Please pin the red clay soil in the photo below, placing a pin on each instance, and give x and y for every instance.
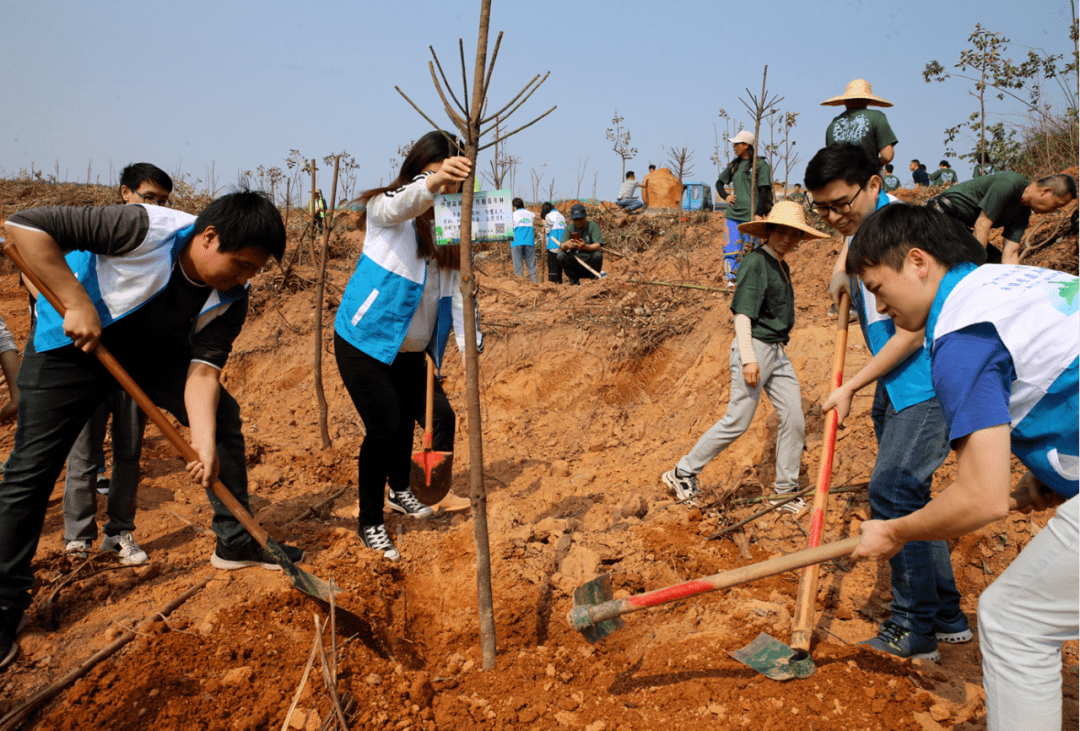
(588, 394)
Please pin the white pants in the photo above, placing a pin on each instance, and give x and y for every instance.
(1024, 618)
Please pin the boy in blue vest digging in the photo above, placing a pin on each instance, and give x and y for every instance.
(166, 293)
(1004, 343)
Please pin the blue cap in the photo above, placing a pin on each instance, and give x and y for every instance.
(577, 211)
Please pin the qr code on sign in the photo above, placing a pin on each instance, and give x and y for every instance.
(500, 228)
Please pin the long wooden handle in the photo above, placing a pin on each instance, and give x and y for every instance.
(804, 603)
(429, 403)
(587, 615)
(128, 384)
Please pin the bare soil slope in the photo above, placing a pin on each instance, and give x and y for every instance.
(588, 394)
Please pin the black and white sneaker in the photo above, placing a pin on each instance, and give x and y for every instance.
(685, 488)
(251, 554)
(376, 538)
(406, 502)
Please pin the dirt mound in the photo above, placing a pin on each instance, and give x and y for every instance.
(588, 394)
(664, 190)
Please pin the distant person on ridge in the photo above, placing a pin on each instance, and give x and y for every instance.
(626, 199)
(944, 175)
(523, 248)
(918, 173)
(645, 186)
(867, 128)
(889, 182)
(737, 175)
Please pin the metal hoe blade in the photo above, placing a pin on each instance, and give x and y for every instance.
(302, 580)
(774, 659)
(595, 592)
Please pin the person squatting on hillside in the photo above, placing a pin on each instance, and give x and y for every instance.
(908, 423)
(858, 125)
(764, 309)
(626, 199)
(1003, 199)
(737, 175)
(580, 255)
(399, 305)
(554, 225)
(1004, 344)
(168, 297)
(139, 183)
(523, 248)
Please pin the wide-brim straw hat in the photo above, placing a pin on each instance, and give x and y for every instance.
(784, 213)
(859, 89)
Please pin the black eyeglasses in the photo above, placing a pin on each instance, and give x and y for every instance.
(839, 208)
(151, 200)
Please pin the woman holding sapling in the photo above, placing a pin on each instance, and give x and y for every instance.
(400, 304)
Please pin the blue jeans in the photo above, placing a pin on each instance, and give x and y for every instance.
(736, 242)
(526, 255)
(630, 204)
(912, 444)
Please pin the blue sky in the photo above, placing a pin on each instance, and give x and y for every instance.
(235, 84)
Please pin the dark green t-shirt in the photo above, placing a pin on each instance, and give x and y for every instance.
(943, 176)
(999, 196)
(589, 235)
(867, 127)
(763, 292)
(739, 180)
(889, 183)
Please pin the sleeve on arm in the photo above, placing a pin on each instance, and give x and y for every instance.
(213, 344)
(972, 373)
(111, 230)
(403, 204)
(750, 289)
(597, 235)
(1000, 195)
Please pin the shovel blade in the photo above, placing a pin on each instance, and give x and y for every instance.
(597, 591)
(775, 660)
(308, 583)
(430, 474)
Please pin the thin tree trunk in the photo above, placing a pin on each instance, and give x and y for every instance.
(324, 430)
(477, 491)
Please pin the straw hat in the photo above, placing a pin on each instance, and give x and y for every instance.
(746, 137)
(858, 89)
(784, 213)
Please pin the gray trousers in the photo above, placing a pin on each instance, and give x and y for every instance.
(84, 460)
(779, 381)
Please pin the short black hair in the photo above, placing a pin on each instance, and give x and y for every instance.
(652, 167)
(889, 168)
(798, 185)
(916, 161)
(886, 236)
(244, 219)
(629, 174)
(847, 161)
(944, 163)
(1062, 185)
(517, 203)
(138, 173)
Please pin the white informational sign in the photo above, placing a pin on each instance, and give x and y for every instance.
(492, 218)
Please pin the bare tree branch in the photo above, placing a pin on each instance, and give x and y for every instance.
(500, 112)
(399, 91)
(520, 103)
(508, 134)
(491, 66)
(464, 81)
(458, 121)
(441, 73)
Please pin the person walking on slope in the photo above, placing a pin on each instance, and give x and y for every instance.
(398, 306)
(737, 174)
(764, 309)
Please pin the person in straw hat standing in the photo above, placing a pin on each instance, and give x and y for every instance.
(866, 127)
(764, 309)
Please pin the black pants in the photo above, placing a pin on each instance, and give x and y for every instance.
(58, 392)
(390, 399)
(942, 204)
(568, 261)
(554, 267)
